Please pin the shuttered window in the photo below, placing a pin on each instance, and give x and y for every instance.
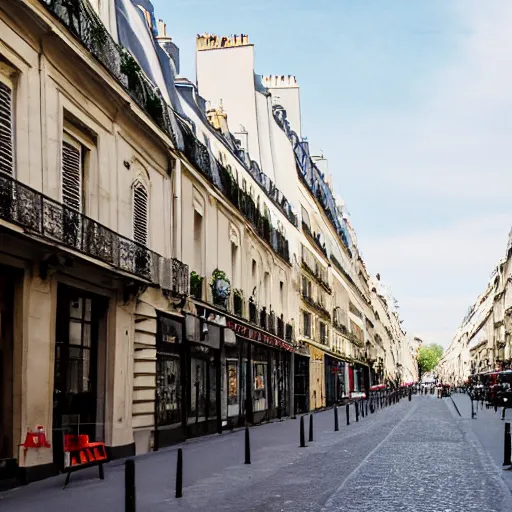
(6, 130)
(140, 213)
(72, 174)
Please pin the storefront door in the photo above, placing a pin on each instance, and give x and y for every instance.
(301, 384)
(6, 363)
(76, 377)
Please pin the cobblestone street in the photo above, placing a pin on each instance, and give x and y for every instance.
(413, 456)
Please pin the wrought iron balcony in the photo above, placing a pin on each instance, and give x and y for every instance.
(41, 216)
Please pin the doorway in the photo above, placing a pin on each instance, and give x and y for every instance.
(6, 363)
(79, 355)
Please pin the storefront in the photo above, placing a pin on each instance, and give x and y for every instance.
(301, 384)
(334, 380)
(79, 369)
(257, 375)
(316, 379)
(204, 379)
(169, 410)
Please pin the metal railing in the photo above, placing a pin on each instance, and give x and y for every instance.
(40, 215)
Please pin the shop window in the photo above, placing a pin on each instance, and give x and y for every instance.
(259, 369)
(233, 387)
(140, 213)
(6, 129)
(266, 288)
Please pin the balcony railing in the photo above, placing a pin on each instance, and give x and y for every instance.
(40, 215)
(319, 308)
(246, 205)
(280, 328)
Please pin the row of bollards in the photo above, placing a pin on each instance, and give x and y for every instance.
(361, 408)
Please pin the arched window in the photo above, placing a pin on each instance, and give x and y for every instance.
(140, 213)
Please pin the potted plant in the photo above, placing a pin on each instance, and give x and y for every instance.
(238, 301)
(220, 286)
(196, 285)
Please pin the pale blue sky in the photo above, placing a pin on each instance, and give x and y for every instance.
(411, 102)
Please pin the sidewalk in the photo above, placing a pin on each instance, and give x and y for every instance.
(214, 474)
(488, 428)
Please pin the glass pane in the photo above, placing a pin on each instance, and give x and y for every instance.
(233, 383)
(87, 335)
(74, 370)
(88, 308)
(260, 371)
(212, 406)
(168, 391)
(75, 308)
(75, 332)
(197, 388)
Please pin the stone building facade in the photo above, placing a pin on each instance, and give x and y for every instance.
(169, 267)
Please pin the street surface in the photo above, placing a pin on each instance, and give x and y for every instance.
(412, 456)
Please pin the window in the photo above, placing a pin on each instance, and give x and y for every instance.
(323, 333)
(254, 277)
(281, 296)
(140, 213)
(306, 287)
(198, 242)
(306, 317)
(234, 260)
(72, 172)
(266, 286)
(6, 130)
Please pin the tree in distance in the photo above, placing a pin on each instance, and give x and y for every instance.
(428, 357)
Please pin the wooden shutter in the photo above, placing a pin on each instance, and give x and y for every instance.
(140, 214)
(6, 129)
(72, 174)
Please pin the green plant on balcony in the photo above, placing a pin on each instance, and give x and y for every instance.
(220, 286)
(196, 285)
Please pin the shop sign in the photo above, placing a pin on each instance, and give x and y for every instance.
(253, 334)
(316, 354)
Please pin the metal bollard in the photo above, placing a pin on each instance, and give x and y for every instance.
(129, 485)
(247, 446)
(347, 410)
(410, 394)
(302, 435)
(179, 474)
(357, 411)
(507, 446)
(362, 408)
(366, 407)
(336, 425)
(311, 427)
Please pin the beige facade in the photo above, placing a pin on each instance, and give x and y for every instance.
(160, 276)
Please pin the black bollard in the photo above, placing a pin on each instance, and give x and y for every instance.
(336, 425)
(179, 474)
(347, 410)
(302, 435)
(311, 428)
(129, 485)
(357, 410)
(410, 394)
(366, 407)
(247, 446)
(362, 408)
(507, 446)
